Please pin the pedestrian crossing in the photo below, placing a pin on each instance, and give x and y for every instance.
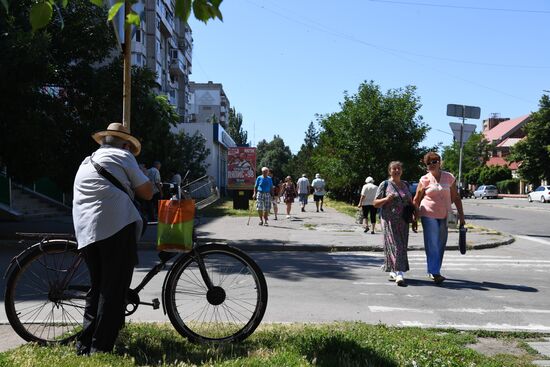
(488, 292)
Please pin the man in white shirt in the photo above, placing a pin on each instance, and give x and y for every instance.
(318, 185)
(107, 226)
(303, 190)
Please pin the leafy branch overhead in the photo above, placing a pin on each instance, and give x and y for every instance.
(41, 12)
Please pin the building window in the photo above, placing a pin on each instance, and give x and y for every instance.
(138, 35)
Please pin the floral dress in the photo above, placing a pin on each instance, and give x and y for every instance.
(289, 192)
(394, 227)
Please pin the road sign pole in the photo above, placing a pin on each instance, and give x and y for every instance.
(460, 149)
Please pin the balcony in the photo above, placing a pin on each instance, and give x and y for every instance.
(177, 67)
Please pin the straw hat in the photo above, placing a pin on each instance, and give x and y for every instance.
(120, 131)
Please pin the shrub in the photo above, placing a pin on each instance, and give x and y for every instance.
(508, 186)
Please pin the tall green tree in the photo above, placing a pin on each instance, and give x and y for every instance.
(533, 152)
(303, 162)
(474, 154)
(235, 127)
(274, 155)
(372, 129)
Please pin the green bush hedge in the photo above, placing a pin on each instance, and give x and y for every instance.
(508, 186)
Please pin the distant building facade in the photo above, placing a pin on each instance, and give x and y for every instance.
(209, 115)
(164, 44)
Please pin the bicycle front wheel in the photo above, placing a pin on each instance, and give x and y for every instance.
(45, 292)
(228, 312)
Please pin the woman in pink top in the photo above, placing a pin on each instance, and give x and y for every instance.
(435, 193)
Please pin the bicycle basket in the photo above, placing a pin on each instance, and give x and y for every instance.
(203, 190)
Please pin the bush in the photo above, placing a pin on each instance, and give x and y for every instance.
(508, 186)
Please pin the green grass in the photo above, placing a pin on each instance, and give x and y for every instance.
(341, 206)
(336, 344)
(224, 207)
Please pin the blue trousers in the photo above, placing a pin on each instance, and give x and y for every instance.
(435, 240)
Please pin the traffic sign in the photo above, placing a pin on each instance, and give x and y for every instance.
(468, 112)
(467, 130)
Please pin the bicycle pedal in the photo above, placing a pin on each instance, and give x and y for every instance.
(156, 304)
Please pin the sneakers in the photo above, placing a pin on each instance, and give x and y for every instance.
(393, 275)
(303, 210)
(372, 232)
(322, 210)
(399, 280)
(437, 278)
(366, 230)
(288, 217)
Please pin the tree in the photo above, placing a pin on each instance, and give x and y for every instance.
(533, 152)
(372, 129)
(235, 127)
(191, 153)
(303, 162)
(274, 155)
(474, 154)
(490, 175)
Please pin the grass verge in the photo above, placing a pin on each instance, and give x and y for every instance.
(336, 344)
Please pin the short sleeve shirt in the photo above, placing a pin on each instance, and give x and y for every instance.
(303, 184)
(319, 186)
(100, 209)
(154, 176)
(369, 193)
(263, 184)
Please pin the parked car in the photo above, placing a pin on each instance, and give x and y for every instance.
(486, 191)
(541, 193)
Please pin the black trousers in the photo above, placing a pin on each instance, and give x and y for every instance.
(111, 263)
(369, 210)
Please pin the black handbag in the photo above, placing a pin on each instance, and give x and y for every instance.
(108, 175)
(408, 209)
(462, 239)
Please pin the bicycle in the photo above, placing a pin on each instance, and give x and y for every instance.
(214, 293)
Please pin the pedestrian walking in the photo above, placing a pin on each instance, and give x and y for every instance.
(262, 193)
(435, 194)
(289, 194)
(107, 226)
(303, 191)
(392, 196)
(368, 193)
(318, 185)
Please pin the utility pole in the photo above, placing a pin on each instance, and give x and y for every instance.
(127, 76)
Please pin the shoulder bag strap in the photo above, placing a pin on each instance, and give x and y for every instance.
(397, 189)
(103, 172)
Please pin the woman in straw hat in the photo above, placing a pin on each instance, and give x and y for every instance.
(107, 227)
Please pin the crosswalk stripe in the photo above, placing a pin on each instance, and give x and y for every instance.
(479, 311)
(489, 326)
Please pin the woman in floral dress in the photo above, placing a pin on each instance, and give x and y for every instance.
(392, 196)
(289, 194)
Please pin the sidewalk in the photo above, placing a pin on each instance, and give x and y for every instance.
(309, 231)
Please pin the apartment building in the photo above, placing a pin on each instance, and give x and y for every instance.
(209, 115)
(164, 43)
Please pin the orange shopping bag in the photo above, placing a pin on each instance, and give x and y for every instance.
(175, 225)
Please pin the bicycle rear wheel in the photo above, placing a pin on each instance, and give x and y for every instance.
(231, 310)
(45, 292)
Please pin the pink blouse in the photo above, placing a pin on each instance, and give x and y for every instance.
(436, 202)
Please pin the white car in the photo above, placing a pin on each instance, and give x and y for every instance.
(486, 191)
(541, 193)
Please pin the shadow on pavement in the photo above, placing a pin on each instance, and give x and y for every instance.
(466, 284)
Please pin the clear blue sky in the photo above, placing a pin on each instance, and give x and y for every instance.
(283, 61)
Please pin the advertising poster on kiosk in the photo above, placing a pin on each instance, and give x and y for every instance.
(241, 168)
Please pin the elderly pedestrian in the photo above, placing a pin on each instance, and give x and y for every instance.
(262, 192)
(107, 226)
(303, 190)
(435, 193)
(368, 193)
(318, 185)
(392, 196)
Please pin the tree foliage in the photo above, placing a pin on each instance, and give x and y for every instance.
(235, 127)
(474, 154)
(56, 96)
(372, 129)
(303, 162)
(533, 152)
(274, 155)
